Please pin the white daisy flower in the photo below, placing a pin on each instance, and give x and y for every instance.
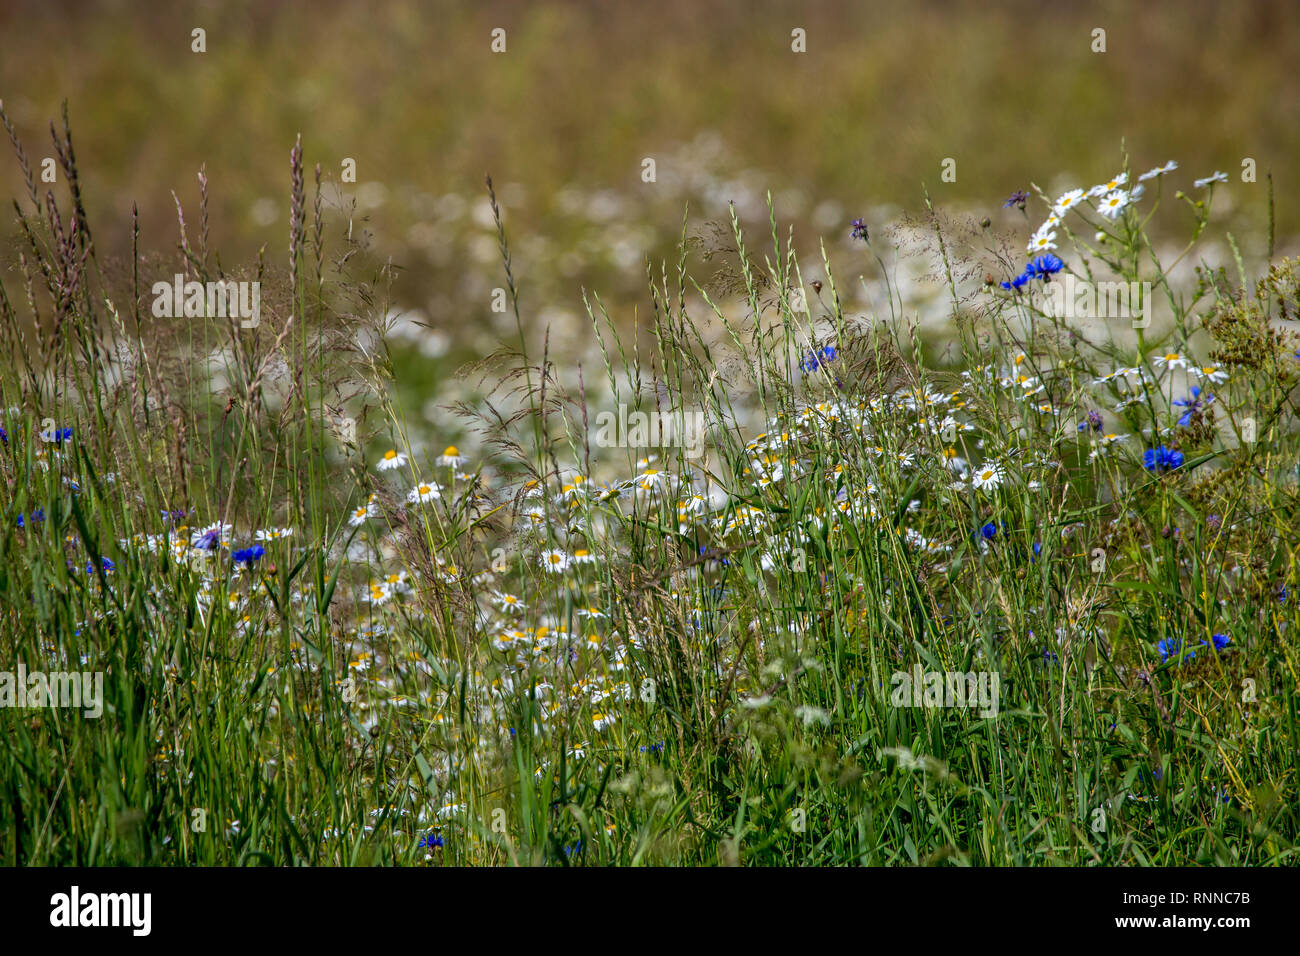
(451, 457)
(508, 602)
(1042, 241)
(272, 534)
(649, 480)
(1128, 372)
(573, 490)
(1213, 373)
(986, 477)
(692, 505)
(1170, 360)
(1067, 201)
(1208, 180)
(366, 511)
(1168, 167)
(507, 639)
(392, 459)
(1102, 189)
(554, 561)
(583, 556)
(424, 492)
(398, 582)
(1113, 203)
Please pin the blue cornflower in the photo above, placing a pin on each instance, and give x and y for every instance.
(209, 540)
(248, 556)
(1017, 198)
(818, 357)
(1018, 282)
(1044, 266)
(4, 435)
(1193, 404)
(859, 230)
(1162, 459)
(1170, 647)
(989, 531)
(106, 563)
(1039, 268)
(432, 842)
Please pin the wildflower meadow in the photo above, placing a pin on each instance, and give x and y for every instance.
(967, 537)
(1029, 602)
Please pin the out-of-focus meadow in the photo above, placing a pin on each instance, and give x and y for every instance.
(584, 92)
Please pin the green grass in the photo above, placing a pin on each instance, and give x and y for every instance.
(713, 686)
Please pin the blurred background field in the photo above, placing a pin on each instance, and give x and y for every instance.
(585, 91)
